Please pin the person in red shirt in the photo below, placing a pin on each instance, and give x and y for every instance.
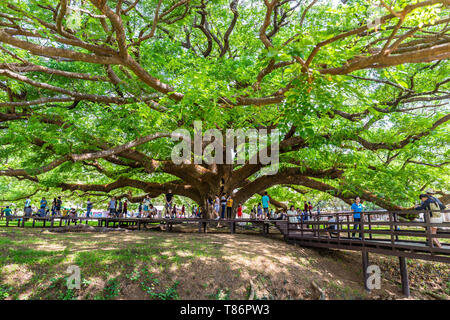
(239, 211)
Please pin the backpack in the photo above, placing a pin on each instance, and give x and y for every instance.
(434, 206)
(440, 204)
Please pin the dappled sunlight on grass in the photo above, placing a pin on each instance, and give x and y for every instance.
(160, 265)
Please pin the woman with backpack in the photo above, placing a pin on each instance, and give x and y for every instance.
(430, 204)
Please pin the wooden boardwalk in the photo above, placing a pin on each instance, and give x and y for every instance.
(378, 232)
(410, 239)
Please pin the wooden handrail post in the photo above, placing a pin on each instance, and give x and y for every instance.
(288, 226)
(426, 216)
(391, 226)
(348, 226)
(396, 226)
(315, 225)
(338, 227)
(365, 265)
(404, 276)
(361, 226)
(301, 225)
(370, 226)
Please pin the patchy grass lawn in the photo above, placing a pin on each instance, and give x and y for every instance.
(160, 265)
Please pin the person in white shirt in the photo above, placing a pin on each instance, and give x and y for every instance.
(152, 211)
(331, 227)
(292, 214)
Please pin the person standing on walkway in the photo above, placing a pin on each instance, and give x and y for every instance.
(173, 214)
(292, 215)
(43, 206)
(223, 204)
(58, 206)
(7, 212)
(430, 204)
(146, 206)
(446, 215)
(140, 209)
(253, 213)
(125, 208)
(168, 205)
(265, 204)
(217, 205)
(259, 212)
(357, 208)
(210, 212)
(119, 208)
(53, 207)
(229, 207)
(331, 228)
(28, 211)
(27, 203)
(88, 208)
(112, 206)
(239, 211)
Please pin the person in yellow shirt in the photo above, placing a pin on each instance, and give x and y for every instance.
(229, 207)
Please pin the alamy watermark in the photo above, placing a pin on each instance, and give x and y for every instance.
(74, 279)
(376, 11)
(254, 146)
(373, 280)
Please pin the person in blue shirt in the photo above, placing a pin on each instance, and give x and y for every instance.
(43, 207)
(88, 208)
(265, 204)
(357, 208)
(259, 211)
(7, 211)
(43, 203)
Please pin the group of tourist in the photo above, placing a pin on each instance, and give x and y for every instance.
(294, 215)
(148, 210)
(44, 208)
(222, 208)
(115, 208)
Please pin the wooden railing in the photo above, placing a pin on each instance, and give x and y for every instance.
(385, 230)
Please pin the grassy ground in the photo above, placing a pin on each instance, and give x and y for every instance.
(188, 265)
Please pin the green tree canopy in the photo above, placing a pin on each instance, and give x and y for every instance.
(91, 90)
